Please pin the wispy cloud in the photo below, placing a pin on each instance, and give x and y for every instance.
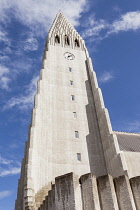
(24, 101)
(42, 13)
(5, 161)
(4, 194)
(128, 126)
(10, 171)
(9, 70)
(100, 29)
(128, 21)
(8, 167)
(105, 77)
(4, 77)
(94, 26)
(4, 36)
(3, 70)
(29, 42)
(133, 126)
(22, 65)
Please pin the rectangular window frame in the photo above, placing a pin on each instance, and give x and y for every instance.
(79, 158)
(75, 115)
(73, 97)
(76, 134)
(71, 83)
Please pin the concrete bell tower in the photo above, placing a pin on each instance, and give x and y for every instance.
(70, 129)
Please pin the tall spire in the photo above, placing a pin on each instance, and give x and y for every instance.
(64, 34)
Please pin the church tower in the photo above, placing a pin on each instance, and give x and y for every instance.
(70, 129)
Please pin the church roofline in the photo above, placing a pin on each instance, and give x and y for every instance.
(126, 133)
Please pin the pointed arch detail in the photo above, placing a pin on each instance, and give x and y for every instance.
(67, 41)
(57, 39)
(76, 43)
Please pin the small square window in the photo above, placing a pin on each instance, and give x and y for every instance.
(74, 114)
(70, 69)
(79, 156)
(76, 134)
(72, 97)
(71, 82)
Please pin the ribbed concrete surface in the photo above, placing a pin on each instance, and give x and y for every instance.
(128, 141)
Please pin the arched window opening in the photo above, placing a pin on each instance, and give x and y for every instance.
(57, 39)
(67, 42)
(77, 43)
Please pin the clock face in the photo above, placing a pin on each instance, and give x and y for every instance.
(69, 56)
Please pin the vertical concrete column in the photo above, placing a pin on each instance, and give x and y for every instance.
(89, 192)
(41, 207)
(46, 203)
(107, 196)
(135, 185)
(124, 193)
(66, 192)
(51, 198)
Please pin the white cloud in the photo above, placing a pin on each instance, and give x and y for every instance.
(10, 171)
(4, 36)
(100, 29)
(105, 77)
(3, 57)
(4, 194)
(4, 77)
(95, 26)
(42, 13)
(5, 161)
(25, 101)
(7, 74)
(128, 21)
(133, 126)
(9, 167)
(3, 70)
(29, 42)
(4, 81)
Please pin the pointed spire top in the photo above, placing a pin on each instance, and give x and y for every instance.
(64, 34)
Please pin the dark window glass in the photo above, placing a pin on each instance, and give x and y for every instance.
(79, 156)
(57, 39)
(72, 97)
(74, 114)
(71, 82)
(76, 134)
(67, 42)
(77, 43)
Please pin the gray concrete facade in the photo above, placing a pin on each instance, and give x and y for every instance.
(70, 129)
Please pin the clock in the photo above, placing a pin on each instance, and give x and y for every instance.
(69, 56)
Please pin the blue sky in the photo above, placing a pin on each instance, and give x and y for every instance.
(111, 30)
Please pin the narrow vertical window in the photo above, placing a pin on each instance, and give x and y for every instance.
(79, 156)
(72, 97)
(70, 69)
(57, 39)
(76, 134)
(71, 82)
(74, 114)
(76, 43)
(67, 42)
